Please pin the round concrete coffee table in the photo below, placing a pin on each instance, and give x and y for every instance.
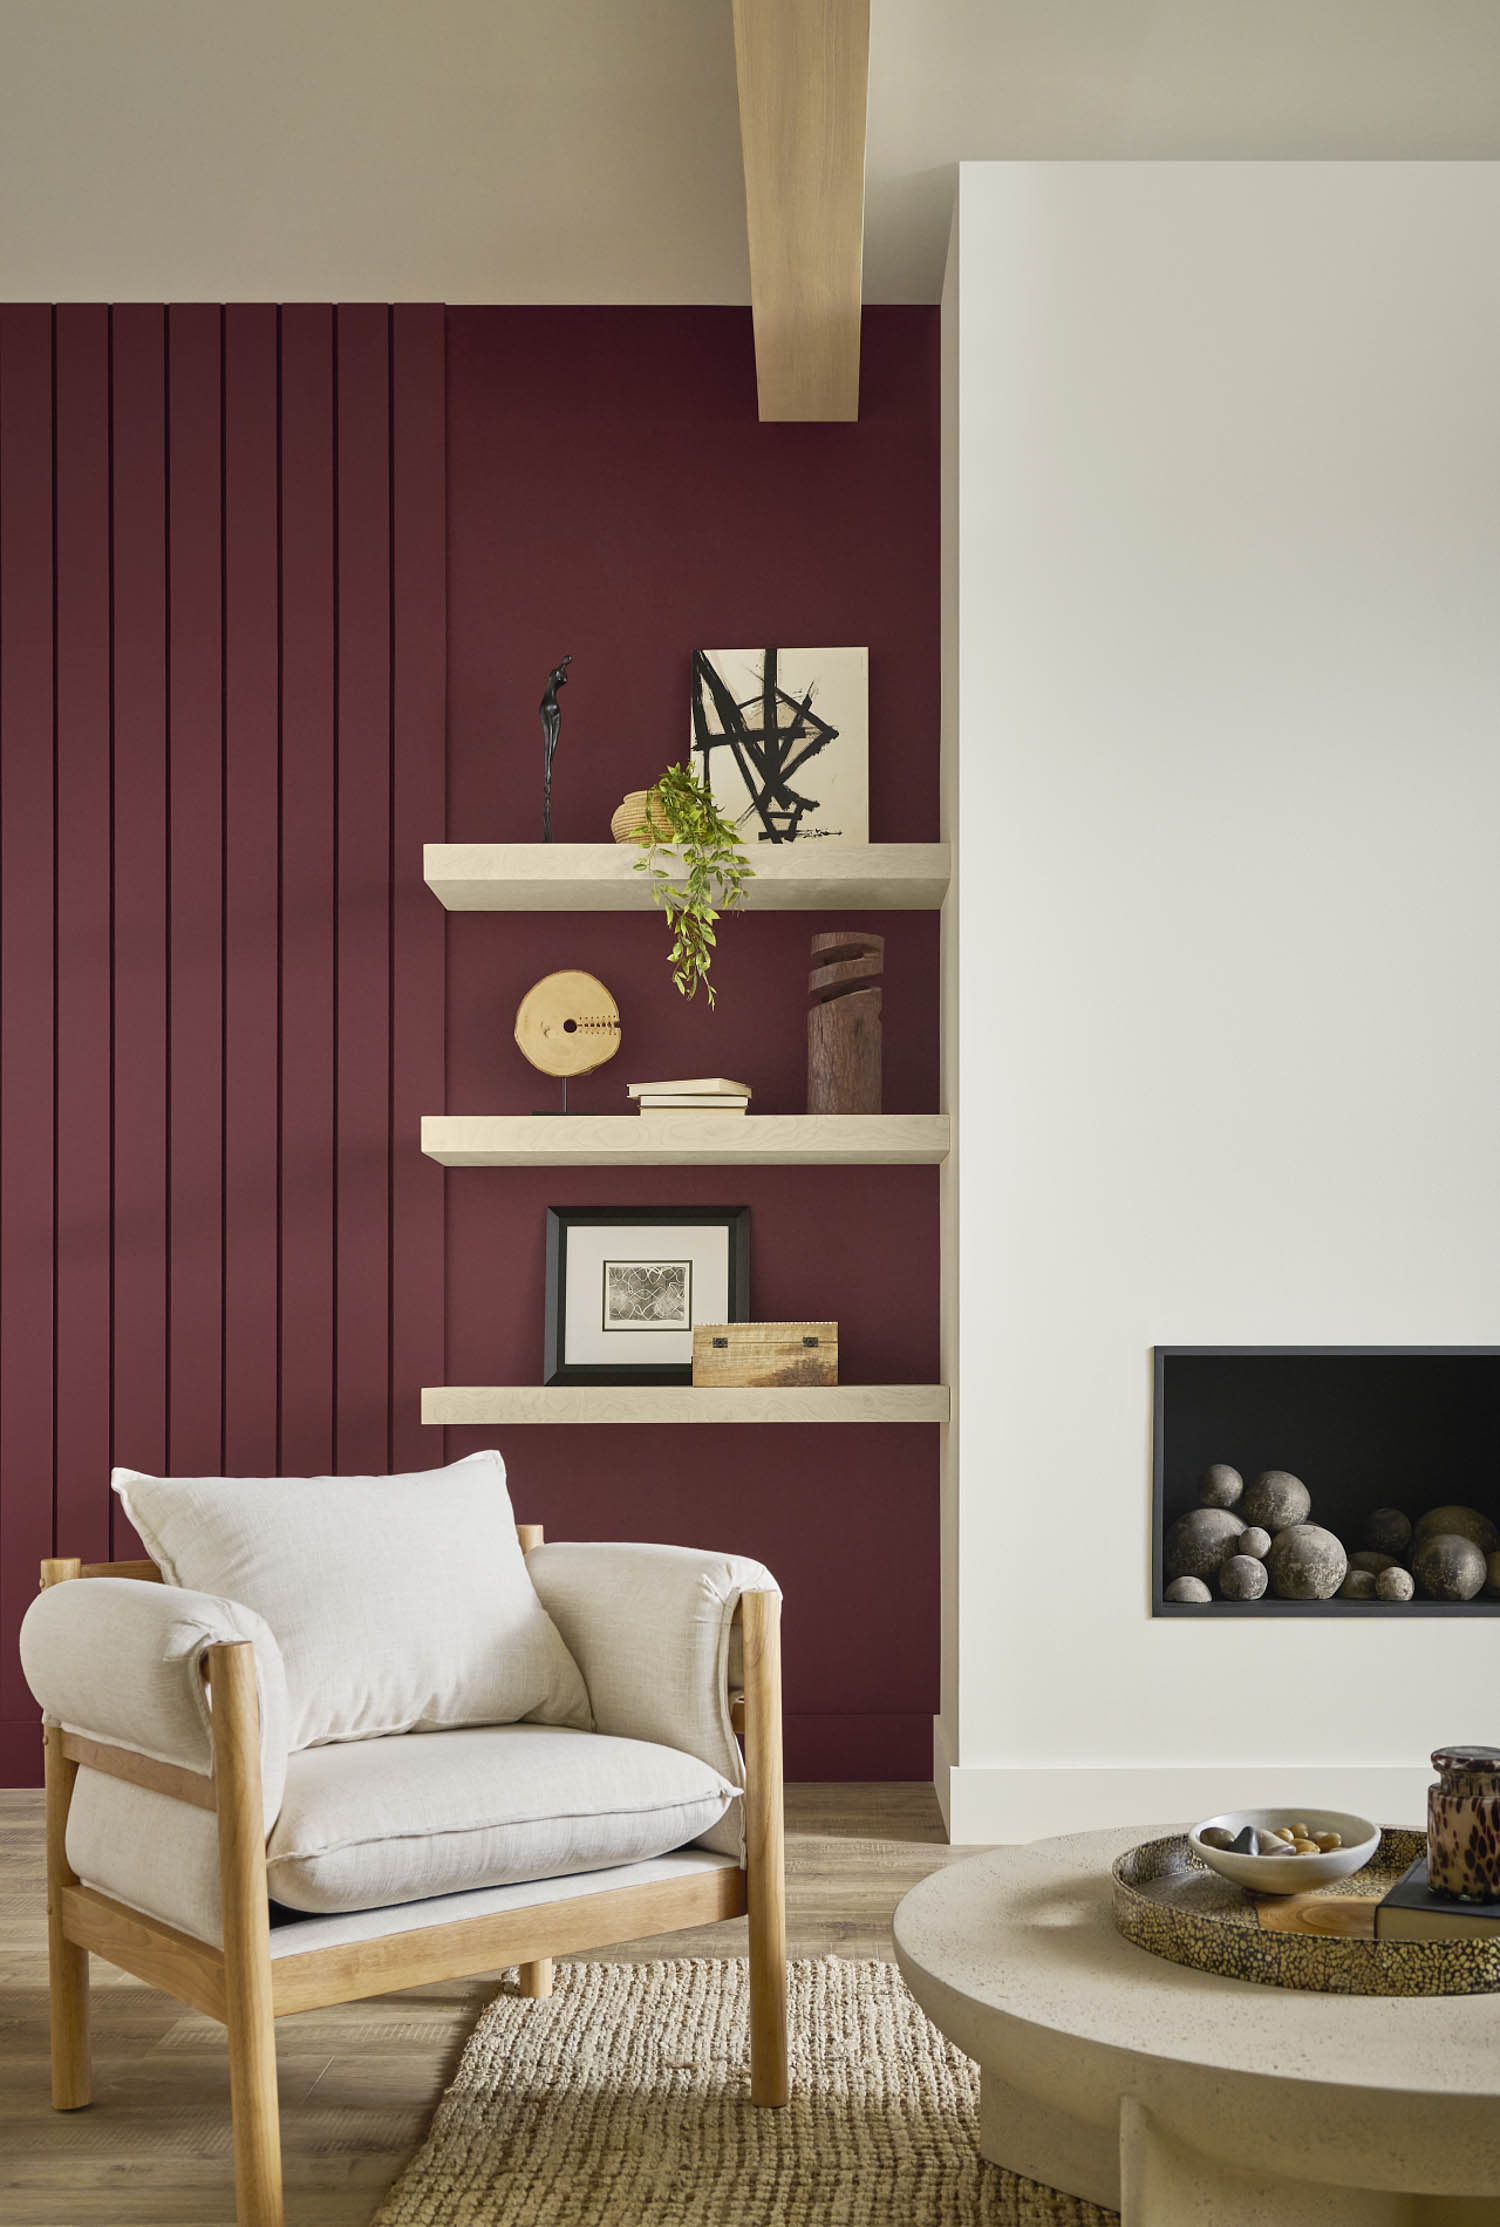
(1175, 2096)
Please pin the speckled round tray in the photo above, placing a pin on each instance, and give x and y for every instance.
(1168, 1901)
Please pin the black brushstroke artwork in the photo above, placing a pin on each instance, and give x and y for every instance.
(769, 736)
(551, 713)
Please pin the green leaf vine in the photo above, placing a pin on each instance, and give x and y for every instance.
(697, 867)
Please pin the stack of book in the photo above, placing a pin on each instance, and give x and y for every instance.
(701, 1094)
(1412, 1912)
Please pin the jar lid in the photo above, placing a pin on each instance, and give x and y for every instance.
(1465, 1759)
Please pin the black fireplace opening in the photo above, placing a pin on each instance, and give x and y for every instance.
(1365, 1428)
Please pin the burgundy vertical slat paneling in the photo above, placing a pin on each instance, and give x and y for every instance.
(419, 607)
(84, 966)
(307, 889)
(139, 1437)
(26, 1017)
(210, 1181)
(364, 836)
(196, 839)
(252, 1083)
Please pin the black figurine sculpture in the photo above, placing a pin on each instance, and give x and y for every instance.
(551, 712)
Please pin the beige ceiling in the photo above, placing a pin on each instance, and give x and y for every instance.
(588, 150)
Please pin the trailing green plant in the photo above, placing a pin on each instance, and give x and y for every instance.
(698, 870)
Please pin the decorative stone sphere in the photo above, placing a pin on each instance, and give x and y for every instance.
(1449, 1567)
(1188, 1589)
(1220, 1486)
(1276, 1501)
(1252, 1540)
(1306, 1563)
(1358, 1585)
(1373, 1559)
(1492, 1581)
(1198, 1542)
(1458, 1523)
(1394, 1583)
(1242, 1577)
(1388, 1529)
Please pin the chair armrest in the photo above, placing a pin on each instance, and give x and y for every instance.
(652, 1629)
(121, 1661)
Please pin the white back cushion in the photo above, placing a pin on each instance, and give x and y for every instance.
(400, 1604)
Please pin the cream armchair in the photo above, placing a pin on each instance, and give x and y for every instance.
(189, 1843)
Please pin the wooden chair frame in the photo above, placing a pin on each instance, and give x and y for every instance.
(247, 1991)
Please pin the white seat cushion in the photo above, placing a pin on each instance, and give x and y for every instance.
(381, 1821)
(400, 1604)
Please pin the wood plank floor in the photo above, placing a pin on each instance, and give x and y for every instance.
(358, 2082)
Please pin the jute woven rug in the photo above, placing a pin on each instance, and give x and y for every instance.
(625, 2098)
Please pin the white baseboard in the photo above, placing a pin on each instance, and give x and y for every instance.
(987, 1805)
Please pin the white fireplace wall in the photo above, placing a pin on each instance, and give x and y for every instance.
(1224, 691)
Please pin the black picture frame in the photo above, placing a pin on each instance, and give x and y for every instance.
(556, 1368)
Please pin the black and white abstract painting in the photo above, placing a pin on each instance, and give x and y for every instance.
(783, 739)
(648, 1295)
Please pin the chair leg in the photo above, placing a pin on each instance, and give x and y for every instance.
(535, 1979)
(67, 1964)
(765, 1861)
(251, 2019)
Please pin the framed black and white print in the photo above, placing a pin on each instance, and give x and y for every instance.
(625, 1284)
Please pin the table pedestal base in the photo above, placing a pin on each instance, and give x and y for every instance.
(1154, 2180)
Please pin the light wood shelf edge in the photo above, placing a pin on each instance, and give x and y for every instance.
(684, 1140)
(484, 1405)
(601, 877)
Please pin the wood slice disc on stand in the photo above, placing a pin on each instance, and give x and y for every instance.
(844, 1045)
(568, 1024)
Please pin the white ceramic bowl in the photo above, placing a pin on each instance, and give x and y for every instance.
(1289, 1874)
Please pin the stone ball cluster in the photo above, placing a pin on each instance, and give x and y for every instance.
(1244, 1541)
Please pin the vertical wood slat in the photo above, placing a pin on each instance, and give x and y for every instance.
(252, 892)
(307, 890)
(362, 1206)
(139, 1431)
(84, 963)
(196, 891)
(419, 607)
(26, 954)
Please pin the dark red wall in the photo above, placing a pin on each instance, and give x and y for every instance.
(612, 494)
(222, 613)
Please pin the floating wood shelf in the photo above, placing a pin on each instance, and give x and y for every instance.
(601, 877)
(664, 1140)
(488, 1404)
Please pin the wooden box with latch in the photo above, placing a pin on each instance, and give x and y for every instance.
(749, 1353)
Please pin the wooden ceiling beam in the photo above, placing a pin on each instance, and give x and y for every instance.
(803, 68)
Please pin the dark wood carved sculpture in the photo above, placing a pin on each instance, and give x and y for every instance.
(843, 1023)
(551, 715)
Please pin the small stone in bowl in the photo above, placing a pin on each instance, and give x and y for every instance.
(1217, 1836)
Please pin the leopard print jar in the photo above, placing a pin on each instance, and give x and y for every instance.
(1463, 1825)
